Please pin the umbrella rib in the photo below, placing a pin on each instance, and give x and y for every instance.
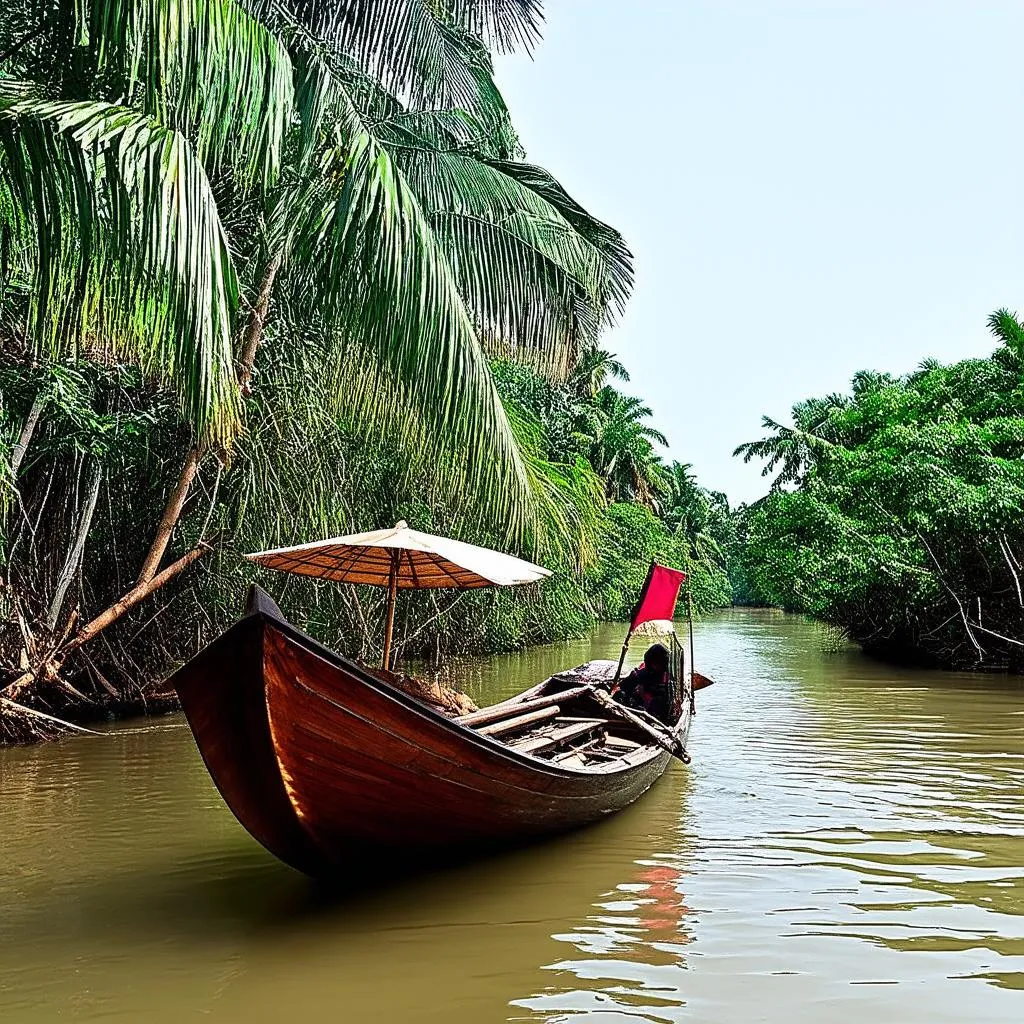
(442, 564)
(412, 570)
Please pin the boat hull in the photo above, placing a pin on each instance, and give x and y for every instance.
(323, 762)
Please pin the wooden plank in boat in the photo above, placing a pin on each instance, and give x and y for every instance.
(520, 722)
(622, 743)
(536, 744)
(570, 759)
(592, 751)
(487, 715)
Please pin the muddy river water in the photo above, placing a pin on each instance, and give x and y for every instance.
(847, 846)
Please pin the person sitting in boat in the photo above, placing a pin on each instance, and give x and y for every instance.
(651, 688)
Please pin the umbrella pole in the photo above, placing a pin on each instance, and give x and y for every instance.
(389, 626)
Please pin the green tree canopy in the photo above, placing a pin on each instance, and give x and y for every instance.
(896, 515)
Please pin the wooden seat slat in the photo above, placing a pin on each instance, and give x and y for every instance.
(575, 730)
(622, 743)
(493, 714)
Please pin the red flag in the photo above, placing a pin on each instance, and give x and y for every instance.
(658, 598)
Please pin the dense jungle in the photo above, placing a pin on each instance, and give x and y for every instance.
(276, 270)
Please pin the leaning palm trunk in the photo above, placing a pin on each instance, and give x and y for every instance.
(251, 340)
(172, 513)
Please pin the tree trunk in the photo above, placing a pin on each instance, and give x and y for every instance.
(27, 431)
(172, 513)
(72, 562)
(251, 339)
(138, 593)
(149, 579)
(255, 327)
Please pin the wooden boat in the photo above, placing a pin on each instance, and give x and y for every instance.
(322, 759)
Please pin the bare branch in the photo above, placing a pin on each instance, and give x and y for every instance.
(952, 593)
(1007, 554)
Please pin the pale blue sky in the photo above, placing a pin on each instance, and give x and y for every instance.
(809, 189)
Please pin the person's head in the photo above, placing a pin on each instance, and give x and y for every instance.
(656, 657)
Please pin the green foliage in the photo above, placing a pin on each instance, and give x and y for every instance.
(676, 522)
(341, 184)
(903, 528)
(96, 198)
(634, 537)
(366, 149)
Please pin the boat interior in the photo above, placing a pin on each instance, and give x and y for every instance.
(562, 721)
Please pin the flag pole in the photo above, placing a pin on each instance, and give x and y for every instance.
(622, 656)
(689, 625)
(636, 611)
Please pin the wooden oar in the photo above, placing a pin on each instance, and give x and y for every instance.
(655, 729)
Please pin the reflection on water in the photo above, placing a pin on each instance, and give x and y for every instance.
(849, 841)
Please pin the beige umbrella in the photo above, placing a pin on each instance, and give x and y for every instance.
(401, 559)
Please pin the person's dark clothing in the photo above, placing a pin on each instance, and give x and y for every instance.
(651, 690)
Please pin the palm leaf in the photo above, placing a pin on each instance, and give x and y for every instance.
(1007, 327)
(126, 250)
(605, 240)
(205, 67)
(537, 284)
(426, 54)
(504, 25)
(371, 265)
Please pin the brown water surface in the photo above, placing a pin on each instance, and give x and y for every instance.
(848, 846)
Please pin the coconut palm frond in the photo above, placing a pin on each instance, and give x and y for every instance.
(538, 285)
(101, 198)
(425, 53)
(206, 67)
(537, 288)
(1007, 327)
(375, 270)
(504, 25)
(618, 271)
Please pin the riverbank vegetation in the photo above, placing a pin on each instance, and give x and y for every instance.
(895, 511)
(277, 270)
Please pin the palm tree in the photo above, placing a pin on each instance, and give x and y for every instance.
(593, 370)
(1008, 328)
(178, 175)
(680, 497)
(689, 511)
(622, 452)
(795, 449)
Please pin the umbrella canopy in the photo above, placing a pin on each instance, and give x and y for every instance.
(401, 559)
(404, 558)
